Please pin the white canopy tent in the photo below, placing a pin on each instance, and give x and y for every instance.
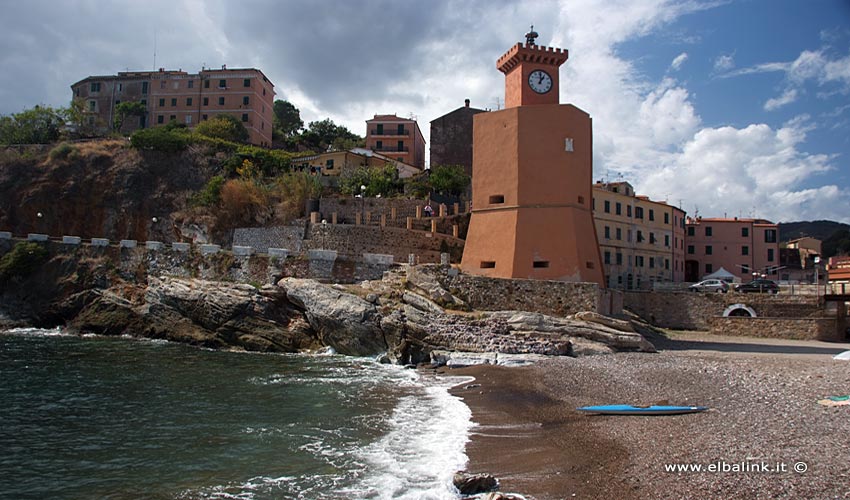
(722, 274)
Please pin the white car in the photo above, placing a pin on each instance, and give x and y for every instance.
(712, 285)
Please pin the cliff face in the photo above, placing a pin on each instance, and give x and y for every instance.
(100, 189)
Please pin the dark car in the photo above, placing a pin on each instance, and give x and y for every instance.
(758, 286)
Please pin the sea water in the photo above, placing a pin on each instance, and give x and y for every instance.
(116, 418)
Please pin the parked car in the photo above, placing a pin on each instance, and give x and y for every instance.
(712, 285)
(759, 286)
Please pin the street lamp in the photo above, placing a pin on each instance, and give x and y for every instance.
(324, 228)
(363, 206)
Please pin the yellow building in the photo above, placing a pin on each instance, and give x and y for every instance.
(333, 163)
(641, 241)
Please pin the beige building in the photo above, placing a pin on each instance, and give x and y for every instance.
(641, 241)
(177, 96)
(334, 163)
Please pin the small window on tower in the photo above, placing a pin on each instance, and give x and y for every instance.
(541, 263)
(497, 198)
(488, 264)
(568, 145)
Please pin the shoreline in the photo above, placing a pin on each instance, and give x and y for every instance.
(763, 410)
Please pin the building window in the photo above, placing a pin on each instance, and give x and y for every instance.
(745, 232)
(607, 233)
(708, 230)
(188, 101)
(607, 257)
(246, 82)
(667, 264)
(652, 238)
(628, 210)
(92, 105)
(172, 118)
(628, 235)
(607, 207)
(222, 84)
(144, 102)
(651, 214)
(160, 119)
(206, 84)
(619, 257)
(639, 236)
(770, 235)
(95, 87)
(639, 261)
(639, 212)
(666, 240)
(120, 87)
(488, 264)
(593, 203)
(400, 129)
(770, 255)
(329, 165)
(144, 87)
(745, 250)
(652, 262)
(162, 84)
(188, 119)
(400, 146)
(709, 268)
(221, 101)
(191, 84)
(174, 101)
(666, 218)
(618, 208)
(540, 263)
(708, 250)
(204, 117)
(691, 231)
(619, 233)
(244, 117)
(206, 101)
(380, 129)
(745, 269)
(245, 100)
(691, 249)
(162, 103)
(497, 198)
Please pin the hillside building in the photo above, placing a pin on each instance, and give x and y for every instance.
(451, 138)
(334, 163)
(741, 246)
(178, 96)
(641, 241)
(397, 138)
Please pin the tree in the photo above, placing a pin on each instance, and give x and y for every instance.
(381, 180)
(449, 179)
(287, 119)
(320, 135)
(837, 244)
(39, 125)
(225, 127)
(125, 109)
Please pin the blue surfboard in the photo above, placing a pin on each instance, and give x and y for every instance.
(641, 410)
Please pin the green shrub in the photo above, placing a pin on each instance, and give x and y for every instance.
(22, 260)
(165, 139)
(63, 151)
(211, 194)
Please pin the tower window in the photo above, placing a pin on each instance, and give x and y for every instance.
(497, 198)
(540, 263)
(488, 264)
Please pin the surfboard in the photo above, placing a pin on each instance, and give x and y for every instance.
(843, 356)
(641, 410)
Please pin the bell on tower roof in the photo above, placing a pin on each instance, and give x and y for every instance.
(530, 36)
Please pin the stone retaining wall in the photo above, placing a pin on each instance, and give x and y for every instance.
(357, 240)
(555, 298)
(694, 311)
(778, 328)
(263, 238)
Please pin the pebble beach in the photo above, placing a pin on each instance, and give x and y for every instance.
(765, 435)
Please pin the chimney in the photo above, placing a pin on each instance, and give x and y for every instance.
(466, 101)
(223, 66)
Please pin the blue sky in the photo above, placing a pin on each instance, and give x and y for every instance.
(738, 107)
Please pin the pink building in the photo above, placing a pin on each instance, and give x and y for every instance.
(740, 246)
(397, 138)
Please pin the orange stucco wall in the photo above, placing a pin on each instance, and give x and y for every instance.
(532, 198)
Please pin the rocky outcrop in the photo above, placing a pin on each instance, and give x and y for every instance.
(471, 484)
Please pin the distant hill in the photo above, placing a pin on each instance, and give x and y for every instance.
(820, 229)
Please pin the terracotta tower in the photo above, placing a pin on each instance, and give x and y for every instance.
(531, 178)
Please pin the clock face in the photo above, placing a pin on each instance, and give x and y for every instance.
(540, 81)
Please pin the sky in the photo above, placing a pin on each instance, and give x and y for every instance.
(720, 107)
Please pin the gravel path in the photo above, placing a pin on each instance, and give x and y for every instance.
(764, 412)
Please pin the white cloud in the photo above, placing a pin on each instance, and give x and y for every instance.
(724, 63)
(678, 61)
(787, 97)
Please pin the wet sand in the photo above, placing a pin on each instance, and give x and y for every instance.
(763, 396)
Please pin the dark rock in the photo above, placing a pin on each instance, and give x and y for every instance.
(471, 484)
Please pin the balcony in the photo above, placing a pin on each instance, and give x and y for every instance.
(389, 132)
(390, 149)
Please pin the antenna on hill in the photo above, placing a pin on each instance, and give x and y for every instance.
(498, 104)
(412, 116)
(154, 51)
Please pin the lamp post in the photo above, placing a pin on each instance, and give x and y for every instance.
(363, 205)
(324, 228)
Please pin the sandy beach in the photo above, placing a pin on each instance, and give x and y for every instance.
(764, 415)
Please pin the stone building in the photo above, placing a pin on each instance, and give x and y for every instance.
(398, 138)
(743, 247)
(641, 241)
(451, 138)
(531, 178)
(177, 96)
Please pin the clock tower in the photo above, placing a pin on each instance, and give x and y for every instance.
(532, 167)
(531, 72)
